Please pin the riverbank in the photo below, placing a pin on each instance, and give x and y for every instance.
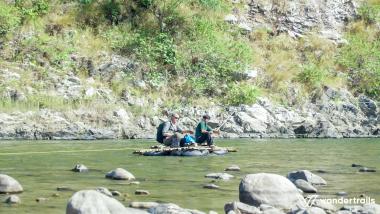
(336, 114)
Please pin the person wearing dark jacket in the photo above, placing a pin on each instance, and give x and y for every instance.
(203, 132)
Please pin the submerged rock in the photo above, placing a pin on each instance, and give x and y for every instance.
(9, 184)
(365, 169)
(41, 199)
(232, 168)
(211, 186)
(80, 168)
(221, 176)
(142, 192)
(93, 202)
(120, 174)
(271, 189)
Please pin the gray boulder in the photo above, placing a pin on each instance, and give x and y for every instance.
(371, 208)
(307, 176)
(93, 202)
(310, 210)
(267, 209)
(9, 184)
(305, 186)
(120, 174)
(168, 209)
(239, 207)
(271, 189)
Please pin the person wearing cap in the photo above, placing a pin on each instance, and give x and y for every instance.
(203, 132)
(172, 132)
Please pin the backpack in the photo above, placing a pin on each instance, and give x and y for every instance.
(159, 136)
(188, 139)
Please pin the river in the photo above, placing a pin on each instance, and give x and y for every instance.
(42, 166)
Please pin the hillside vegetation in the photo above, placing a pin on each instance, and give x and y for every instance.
(183, 52)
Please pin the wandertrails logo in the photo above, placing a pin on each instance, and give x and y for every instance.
(314, 199)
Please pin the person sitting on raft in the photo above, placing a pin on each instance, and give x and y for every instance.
(172, 133)
(203, 132)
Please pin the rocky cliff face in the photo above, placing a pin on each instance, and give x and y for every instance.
(337, 114)
(297, 17)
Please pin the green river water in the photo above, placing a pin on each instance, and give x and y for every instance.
(42, 166)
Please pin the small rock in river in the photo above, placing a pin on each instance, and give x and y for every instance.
(39, 200)
(341, 193)
(80, 168)
(356, 165)
(211, 186)
(365, 169)
(120, 174)
(221, 176)
(233, 168)
(63, 188)
(13, 199)
(142, 192)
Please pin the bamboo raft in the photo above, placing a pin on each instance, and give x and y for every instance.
(184, 151)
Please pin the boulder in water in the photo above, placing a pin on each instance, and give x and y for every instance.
(120, 174)
(271, 189)
(94, 202)
(9, 184)
(307, 176)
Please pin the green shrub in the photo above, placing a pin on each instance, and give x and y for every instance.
(9, 18)
(213, 4)
(312, 76)
(32, 8)
(112, 11)
(154, 50)
(362, 58)
(370, 13)
(241, 93)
